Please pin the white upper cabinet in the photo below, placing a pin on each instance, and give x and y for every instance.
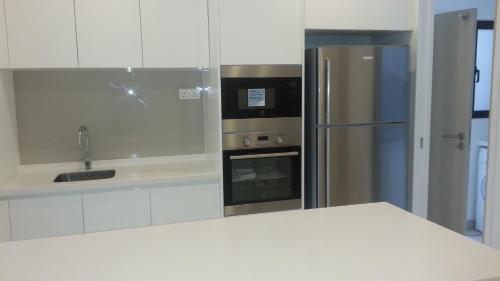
(174, 33)
(358, 14)
(384, 14)
(261, 32)
(330, 14)
(109, 33)
(4, 48)
(41, 33)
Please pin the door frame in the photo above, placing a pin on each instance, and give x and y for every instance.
(424, 45)
(424, 26)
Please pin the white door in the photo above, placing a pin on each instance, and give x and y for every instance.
(453, 83)
(116, 210)
(46, 217)
(261, 32)
(109, 33)
(175, 33)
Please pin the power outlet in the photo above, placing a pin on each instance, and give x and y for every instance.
(189, 94)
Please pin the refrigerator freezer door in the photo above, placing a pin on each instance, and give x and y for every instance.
(367, 164)
(363, 84)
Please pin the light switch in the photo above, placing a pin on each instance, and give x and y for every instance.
(189, 94)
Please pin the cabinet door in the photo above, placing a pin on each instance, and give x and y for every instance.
(185, 203)
(4, 48)
(261, 32)
(331, 14)
(116, 210)
(45, 217)
(174, 33)
(41, 33)
(384, 14)
(4, 221)
(109, 33)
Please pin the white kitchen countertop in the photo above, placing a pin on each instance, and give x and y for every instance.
(358, 243)
(38, 179)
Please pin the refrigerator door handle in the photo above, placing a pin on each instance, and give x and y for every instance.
(322, 106)
(328, 121)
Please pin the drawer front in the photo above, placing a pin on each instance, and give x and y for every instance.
(185, 203)
(4, 221)
(116, 210)
(46, 217)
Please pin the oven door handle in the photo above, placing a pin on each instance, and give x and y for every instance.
(268, 155)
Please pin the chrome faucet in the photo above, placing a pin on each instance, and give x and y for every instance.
(84, 142)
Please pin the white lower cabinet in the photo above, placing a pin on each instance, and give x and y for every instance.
(46, 216)
(109, 210)
(4, 221)
(185, 203)
(116, 210)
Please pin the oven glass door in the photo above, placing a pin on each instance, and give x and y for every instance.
(261, 175)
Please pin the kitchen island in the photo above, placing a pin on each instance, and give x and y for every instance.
(365, 242)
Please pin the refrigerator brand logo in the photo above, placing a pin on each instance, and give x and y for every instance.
(368, 58)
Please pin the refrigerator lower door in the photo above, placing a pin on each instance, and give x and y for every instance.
(367, 164)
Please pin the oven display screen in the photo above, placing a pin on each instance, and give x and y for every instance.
(258, 98)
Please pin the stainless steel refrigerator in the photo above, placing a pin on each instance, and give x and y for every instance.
(357, 112)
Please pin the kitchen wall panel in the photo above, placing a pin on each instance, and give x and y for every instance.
(9, 156)
(129, 114)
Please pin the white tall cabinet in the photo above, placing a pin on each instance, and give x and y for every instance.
(41, 33)
(174, 33)
(109, 33)
(261, 32)
(4, 48)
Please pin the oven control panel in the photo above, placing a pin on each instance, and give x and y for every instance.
(235, 141)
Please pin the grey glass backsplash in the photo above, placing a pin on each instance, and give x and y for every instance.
(128, 114)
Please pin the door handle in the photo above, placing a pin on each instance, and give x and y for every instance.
(459, 136)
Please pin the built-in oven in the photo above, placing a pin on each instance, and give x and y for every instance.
(262, 180)
(262, 137)
(261, 91)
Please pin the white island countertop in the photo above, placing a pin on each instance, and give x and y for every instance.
(36, 180)
(358, 243)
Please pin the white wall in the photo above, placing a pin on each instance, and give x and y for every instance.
(479, 132)
(9, 152)
(486, 8)
(492, 232)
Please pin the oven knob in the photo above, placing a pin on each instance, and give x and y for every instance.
(279, 140)
(246, 141)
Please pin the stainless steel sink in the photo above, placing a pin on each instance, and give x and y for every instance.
(85, 176)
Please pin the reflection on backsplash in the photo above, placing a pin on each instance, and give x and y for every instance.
(128, 113)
